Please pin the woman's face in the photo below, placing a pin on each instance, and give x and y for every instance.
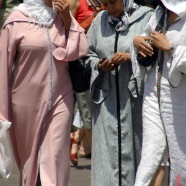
(114, 7)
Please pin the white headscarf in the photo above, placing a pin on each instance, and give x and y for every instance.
(37, 10)
(123, 21)
(176, 6)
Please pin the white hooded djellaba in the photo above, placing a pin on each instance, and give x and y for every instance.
(164, 122)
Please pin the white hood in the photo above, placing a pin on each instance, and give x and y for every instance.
(38, 10)
(176, 6)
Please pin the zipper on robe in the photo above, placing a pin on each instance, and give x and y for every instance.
(49, 103)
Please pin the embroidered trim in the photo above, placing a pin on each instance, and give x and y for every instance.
(50, 66)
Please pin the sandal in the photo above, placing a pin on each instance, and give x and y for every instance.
(73, 156)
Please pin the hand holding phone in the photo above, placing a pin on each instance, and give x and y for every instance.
(105, 65)
(102, 60)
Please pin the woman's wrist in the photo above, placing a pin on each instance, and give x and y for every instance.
(66, 18)
(127, 57)
(170, 50)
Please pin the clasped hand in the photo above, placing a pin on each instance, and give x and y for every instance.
(117, 59)
(158, 40)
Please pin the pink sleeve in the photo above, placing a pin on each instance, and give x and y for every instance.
(77, 44)
(7, 53)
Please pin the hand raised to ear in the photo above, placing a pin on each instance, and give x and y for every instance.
(61, 6)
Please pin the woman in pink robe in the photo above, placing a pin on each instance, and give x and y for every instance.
(36, 92)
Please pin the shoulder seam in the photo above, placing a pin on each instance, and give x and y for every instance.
(17, 20)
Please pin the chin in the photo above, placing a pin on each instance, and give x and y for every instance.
(112, 15)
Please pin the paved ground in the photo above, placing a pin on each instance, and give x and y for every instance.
(79, 176)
